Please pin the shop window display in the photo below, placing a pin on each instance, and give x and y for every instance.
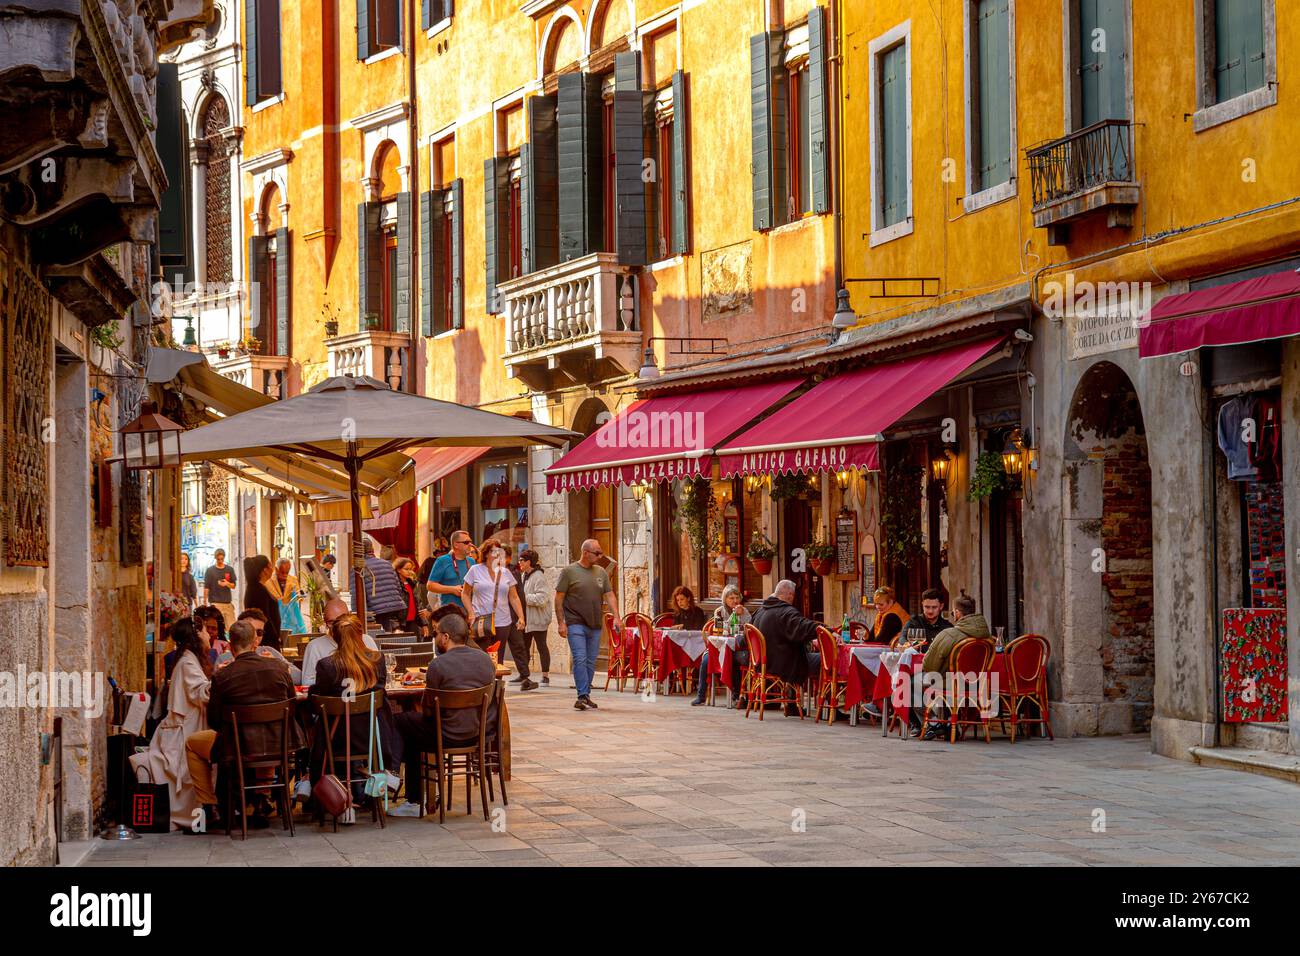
(503, 501)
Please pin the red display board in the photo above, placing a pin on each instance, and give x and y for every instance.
(1253, 654)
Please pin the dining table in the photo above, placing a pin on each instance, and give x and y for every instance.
(721, 647)
(677, 649)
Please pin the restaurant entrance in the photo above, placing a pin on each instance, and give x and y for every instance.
(801, 521)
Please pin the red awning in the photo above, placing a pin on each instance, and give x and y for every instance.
(664, 437)
(1252, 310)
(434, 463)
(839, 423)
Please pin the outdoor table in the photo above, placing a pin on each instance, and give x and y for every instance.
(892, 664)
(720, 649)
(677, 648)
(858, 665)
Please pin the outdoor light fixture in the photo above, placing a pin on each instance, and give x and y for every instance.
(648, 367)
(1012, 455)
(843, 477)
(845, 317)
(151, 442)
(279, 534)
(189, 341)
(941, 466)
(639, 489)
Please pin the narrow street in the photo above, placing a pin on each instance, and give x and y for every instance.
(666, 784)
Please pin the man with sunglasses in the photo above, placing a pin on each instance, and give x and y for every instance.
(447, 575)
(580, 592)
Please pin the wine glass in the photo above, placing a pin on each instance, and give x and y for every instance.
(1001, 632)
(390, 662)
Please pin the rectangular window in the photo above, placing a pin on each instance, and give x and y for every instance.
(891, 129)
(386, 24)
(798, 142)
(989, 79)
(514, 224)
(609, 168)
(262, 58)
(1238, 48)
(663, 143)
(270, 320)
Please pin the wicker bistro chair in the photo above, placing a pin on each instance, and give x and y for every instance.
(969, 656)
(830, 684)
(339, 710)
(710, 630)
(663, 620)
(1025, 674)
(406, 647)
(470, 762)
(762, 688)
(621, 665)
(244, 765)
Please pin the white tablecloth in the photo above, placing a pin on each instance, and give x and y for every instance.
(692, 642)
(869, 655)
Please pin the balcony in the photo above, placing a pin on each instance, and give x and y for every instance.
(572, 323)
(268, 374)
(385, 356)
(1085, 172)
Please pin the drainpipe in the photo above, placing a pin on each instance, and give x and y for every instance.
(837, 167)
(414, 381)
(1211, 500)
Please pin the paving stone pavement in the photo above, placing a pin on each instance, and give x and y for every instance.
(662, 783)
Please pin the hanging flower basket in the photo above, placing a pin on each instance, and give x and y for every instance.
(761, 565)
(822, 566)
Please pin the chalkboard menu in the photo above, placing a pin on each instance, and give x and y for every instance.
(846, 544)
(731, 529)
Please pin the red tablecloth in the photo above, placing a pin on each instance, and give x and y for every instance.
(883, 685)
(858, 679)
(720, 663)
(671, 656)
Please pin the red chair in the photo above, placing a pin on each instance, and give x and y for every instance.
(970, 656)
(642, 634)
(762, 688)
(1024, 668)
(830, 684)
(710, 630)
(663, 620)
(620, 666)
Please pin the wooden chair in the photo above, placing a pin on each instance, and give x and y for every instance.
(1025, 672)
(401, 662)
(492, 747)
(470, 762)
(336, 711)
(414, 647)
(969, 656)
(762, 688)
(619, 666)
(830, 683)
(244, 764)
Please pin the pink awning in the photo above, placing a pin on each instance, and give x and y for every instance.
(664, 437)
(1252, 310)
(839, 423)
(381, 522)
(434, 463)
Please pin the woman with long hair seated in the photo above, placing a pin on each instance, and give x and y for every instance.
(355, 668)
(187, 706)
(687, 615)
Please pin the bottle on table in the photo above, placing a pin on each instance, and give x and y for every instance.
(733, 625)
(846, 634)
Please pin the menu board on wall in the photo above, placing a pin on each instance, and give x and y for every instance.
(846, 545)
(1253, 652)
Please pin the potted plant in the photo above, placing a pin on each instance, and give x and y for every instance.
(760, 552)
(694, 510)
(821, 556)
(223, 350)
(989, 475)
(788, 486)
(251, 344)
(331, 328)
(371, 321)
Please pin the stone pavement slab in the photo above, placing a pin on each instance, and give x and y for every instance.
(660, 783)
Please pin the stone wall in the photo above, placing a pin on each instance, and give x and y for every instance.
(26, 788)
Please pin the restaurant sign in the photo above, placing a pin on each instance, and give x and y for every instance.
(629, 474)
(814, 458)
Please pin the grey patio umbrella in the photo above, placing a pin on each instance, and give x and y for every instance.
(360, 426)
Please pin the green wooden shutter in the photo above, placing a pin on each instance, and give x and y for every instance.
(250, 52)
(457, 255)
(681, 185)
(760, 124)
(574, 135)
(1239, 47)
(496, 239)
(651, 149)
(174, 231)
(892, 127)
(405, 247)
(363, 29)
(594, 161)
(540, 195)
(431, 258)
(426, 21)
(780, 148)
(257, 291)
(369, 255)
(268, 32)
(1103, 86)
(629, 152)
(993, 77)
(283, 296)
(819, 119)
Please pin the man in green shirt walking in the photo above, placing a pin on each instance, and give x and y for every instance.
(580, 592)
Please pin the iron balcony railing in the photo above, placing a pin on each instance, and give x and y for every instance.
(1085, 159)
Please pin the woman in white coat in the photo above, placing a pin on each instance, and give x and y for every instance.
(187, 704)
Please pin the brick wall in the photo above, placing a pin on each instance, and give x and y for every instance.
(1128, 654)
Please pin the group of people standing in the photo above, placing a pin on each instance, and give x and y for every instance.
(270, 588)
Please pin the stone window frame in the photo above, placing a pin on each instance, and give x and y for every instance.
(1210, 113)
(900, 34)
(975, 200)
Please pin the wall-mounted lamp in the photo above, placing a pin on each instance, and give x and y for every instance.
(1012, 454)
(845, 317)
(941, 466)
(639, 489)
(843, 477)
(279, 534)
(152, 441)
(649, 368)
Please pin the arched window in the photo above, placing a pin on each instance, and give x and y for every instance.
(216, 174)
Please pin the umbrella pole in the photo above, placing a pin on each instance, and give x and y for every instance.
(358, 559)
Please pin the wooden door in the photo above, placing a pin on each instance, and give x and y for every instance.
(602, 525)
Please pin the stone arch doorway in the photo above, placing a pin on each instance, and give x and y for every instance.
(1108, 653)
(593, 513)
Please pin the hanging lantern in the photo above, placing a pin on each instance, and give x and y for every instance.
(940, 467)
(843, 477)
(151, 442)
(1012, 455)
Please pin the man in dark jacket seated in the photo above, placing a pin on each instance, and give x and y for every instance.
(458, 666)
(787, 634)
(249, 679)
(931, 619)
